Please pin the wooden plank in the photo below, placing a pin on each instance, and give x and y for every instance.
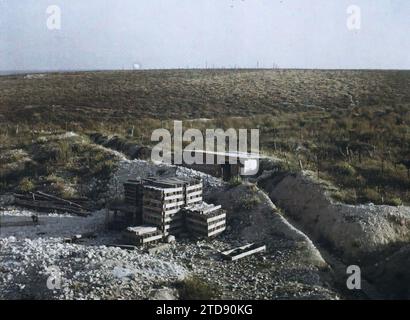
(244, 251)
(173, 205)
(152, 238)
(193, 194)
(205, 223)
(194, 187)
(59, 199)
(46, 205)
(123, 246)
(216, 232)
(173, 197)
(195, 200)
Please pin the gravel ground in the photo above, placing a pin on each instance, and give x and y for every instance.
(91, 269)
(271, 275)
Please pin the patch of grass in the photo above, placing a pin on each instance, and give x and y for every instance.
(250, 202)
(235, 181)
(59, 186)
(64, 152)
(344, 168)
(60, 165)
(345, 196)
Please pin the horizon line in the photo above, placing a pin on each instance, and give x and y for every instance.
(51, 71)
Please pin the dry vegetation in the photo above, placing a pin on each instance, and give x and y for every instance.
(67, 166)
(351, 127)
(122, 96)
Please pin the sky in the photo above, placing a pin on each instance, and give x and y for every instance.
(157, 34)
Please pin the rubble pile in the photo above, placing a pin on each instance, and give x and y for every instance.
(83, 272)
(141, 169)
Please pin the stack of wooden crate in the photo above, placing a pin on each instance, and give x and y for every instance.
(133, 192)
(205, 220)
(172, 206)
(163, 199)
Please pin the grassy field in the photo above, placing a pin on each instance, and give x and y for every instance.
(119, 96)
(352, 127)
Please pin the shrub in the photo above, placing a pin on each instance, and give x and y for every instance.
(195, 288)
(26, 185)
(64, 152)
(235, 181)
(62, 188)
(394, 202)
(103, 168)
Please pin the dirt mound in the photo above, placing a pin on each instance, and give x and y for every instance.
(252, 217)
(357, 231)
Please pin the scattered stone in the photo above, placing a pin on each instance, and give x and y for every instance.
(171, 239)
(159, 248)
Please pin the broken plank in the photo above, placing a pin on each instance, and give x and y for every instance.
(88, 235)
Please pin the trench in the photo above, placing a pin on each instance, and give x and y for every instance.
(338, 276)
(338, 267)
(375, 284)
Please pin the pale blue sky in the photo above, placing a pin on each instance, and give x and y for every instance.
(115, 34)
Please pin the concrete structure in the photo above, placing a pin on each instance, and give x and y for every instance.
(228, 164)
(205, 220)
